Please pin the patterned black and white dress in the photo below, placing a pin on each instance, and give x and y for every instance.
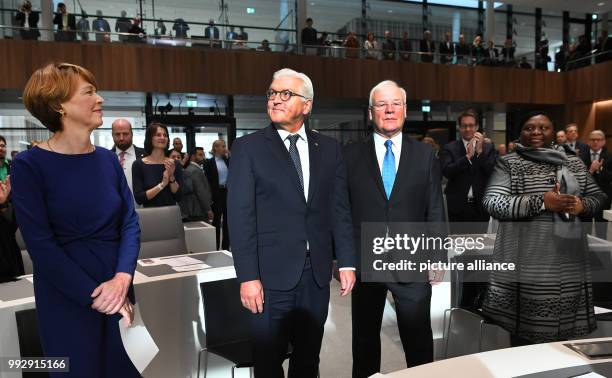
(548, 297)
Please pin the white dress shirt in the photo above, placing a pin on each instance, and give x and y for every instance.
(221, 170)
(129, 159)
(465, 144)
(302, 147)
(381, 149)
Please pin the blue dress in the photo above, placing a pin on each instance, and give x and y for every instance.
(77, 218)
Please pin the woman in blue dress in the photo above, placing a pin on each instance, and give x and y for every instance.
(76, 215)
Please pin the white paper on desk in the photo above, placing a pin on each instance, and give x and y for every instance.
(601, 310)
(589, 375)
(180, 261)
(188, 268)
(137, 341)
(150, 262)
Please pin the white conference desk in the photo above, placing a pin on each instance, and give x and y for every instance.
(502, 363)
(200, 236)
(171, 308)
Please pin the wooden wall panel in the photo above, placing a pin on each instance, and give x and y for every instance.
(134, 67)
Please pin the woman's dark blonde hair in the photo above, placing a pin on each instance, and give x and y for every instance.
(49, 87)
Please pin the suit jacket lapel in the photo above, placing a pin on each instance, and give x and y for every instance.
(279, 150)
(372, 161)
(315, 160)
(406, 160)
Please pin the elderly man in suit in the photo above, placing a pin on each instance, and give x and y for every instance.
(126, 152)
(391, 179)
(599, 162)
(216, 169)
(288, 213)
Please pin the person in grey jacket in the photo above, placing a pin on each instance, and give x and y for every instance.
(195, 205)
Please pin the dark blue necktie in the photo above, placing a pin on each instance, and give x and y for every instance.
(388, 169)
(295, 156)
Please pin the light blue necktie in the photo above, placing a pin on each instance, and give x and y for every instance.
(388, 169)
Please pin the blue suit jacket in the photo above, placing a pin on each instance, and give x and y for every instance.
(270, 220)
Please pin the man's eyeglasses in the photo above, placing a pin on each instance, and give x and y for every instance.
(468, 126)
(380, 106)
(285, 95)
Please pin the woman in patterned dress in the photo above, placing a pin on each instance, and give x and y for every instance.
(539, 193)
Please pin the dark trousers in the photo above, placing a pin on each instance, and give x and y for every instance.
(295, 316)
(601, 225)
(470, 218)
(412, 304)
(219, 208)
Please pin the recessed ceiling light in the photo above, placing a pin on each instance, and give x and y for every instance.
(601, 4)
(390, 11)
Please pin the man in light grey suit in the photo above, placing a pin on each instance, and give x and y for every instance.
(196, 204)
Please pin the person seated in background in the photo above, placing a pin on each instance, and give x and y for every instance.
(28, 21)
(157, 179)
(352, 45)
(561, 57)
(524, 63)
(240, 44)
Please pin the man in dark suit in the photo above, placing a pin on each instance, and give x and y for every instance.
(216, 169)
(66, 24)
(391, 179)
(126, 152)
(211, 32)
(467, 164)
(571, 131)
(446, 49)
(288, 213)
(28, 20)
(428, 48)
(195, 204)
(599, 163)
